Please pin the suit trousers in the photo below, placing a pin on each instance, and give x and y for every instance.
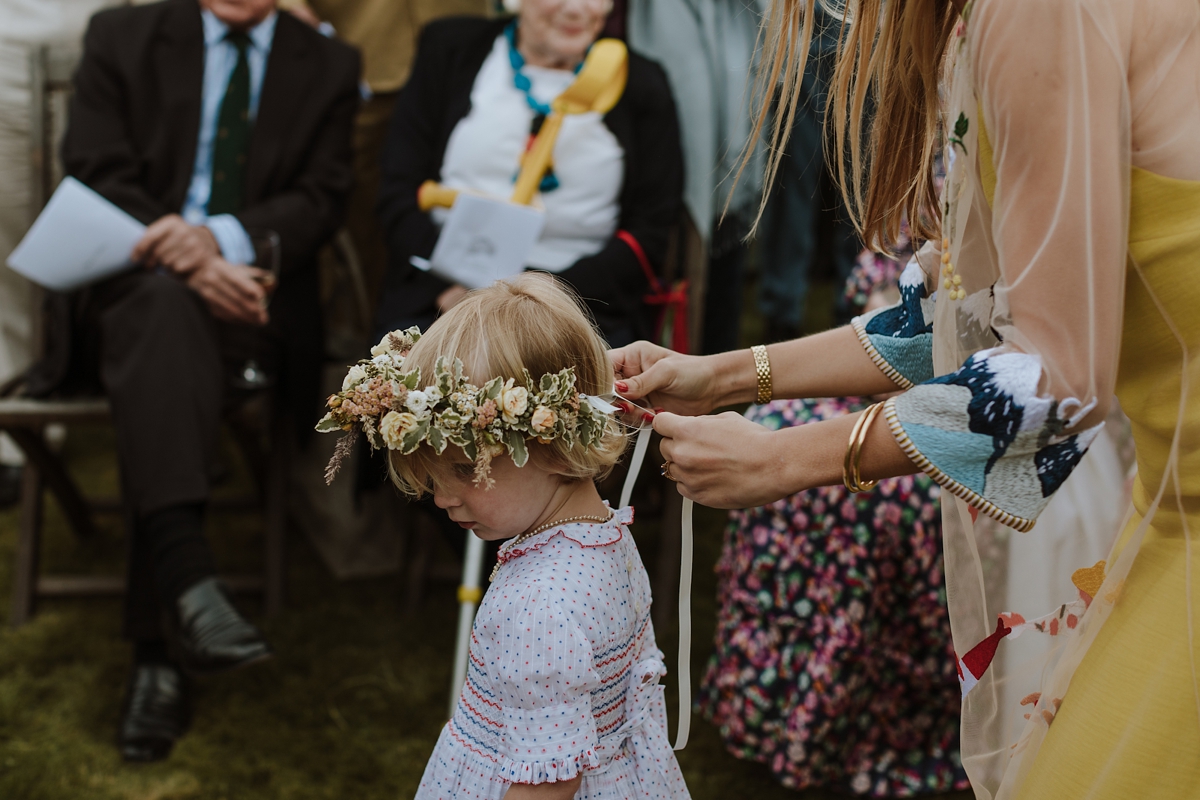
(165, 364)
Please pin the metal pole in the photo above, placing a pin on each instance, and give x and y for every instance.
(469, 595)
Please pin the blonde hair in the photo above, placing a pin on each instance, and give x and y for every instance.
(890, 51)
(533, 323)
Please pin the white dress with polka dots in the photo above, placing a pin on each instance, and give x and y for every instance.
(563, 677)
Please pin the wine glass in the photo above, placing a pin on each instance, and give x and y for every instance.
(267, 257)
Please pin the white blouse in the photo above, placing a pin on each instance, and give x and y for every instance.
(484, 153)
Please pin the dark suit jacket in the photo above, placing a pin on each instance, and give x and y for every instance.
(438, 96)
(134, 123)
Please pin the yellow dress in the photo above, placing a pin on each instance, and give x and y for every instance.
(1132, 699)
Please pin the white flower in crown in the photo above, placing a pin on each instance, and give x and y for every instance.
(514, 401)
(543, 419)
(355, 376)
(417, 402)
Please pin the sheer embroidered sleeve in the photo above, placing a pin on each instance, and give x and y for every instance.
(1049, 159)
(899, 339)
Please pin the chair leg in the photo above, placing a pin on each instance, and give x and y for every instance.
(275, 584)
(56, 478)
(29, 535)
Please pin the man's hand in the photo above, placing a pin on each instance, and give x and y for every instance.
(233, 292)
(175, 245)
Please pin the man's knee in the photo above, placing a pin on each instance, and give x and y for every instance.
(155, 303)
(157, 315)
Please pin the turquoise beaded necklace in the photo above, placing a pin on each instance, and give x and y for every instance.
(540, 110)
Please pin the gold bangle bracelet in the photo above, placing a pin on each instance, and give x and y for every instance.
(858, 436)
(762, 371)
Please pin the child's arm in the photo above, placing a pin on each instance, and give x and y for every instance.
(560, 790)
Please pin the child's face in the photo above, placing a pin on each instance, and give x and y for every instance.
(517, 501)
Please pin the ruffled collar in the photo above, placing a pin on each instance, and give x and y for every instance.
(584, 534)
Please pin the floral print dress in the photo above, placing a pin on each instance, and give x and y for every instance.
(833, 661)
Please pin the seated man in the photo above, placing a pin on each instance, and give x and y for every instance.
(226, 127)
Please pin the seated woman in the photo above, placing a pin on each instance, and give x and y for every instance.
(479, 91)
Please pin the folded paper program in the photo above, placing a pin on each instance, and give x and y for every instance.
(78, 239)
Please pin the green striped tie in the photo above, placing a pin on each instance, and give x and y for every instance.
(233, 136)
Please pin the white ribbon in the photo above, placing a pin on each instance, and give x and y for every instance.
(685, 587)
(685, 628)
(635, 463)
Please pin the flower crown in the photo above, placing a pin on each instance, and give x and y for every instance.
(383, 400)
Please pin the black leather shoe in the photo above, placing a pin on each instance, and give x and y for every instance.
(157, 711)
(208, 636)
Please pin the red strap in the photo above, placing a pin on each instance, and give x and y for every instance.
(675, 298)
(640, 255)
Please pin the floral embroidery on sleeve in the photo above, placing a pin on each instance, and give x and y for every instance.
(985, 434)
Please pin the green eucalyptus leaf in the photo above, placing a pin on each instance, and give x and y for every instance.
(328, 424)
(412, 440)
(516, 447)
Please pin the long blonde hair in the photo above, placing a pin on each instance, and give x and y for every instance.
(891, 52)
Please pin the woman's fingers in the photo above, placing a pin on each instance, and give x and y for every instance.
(722, 461)
(654, 379)
(632, 360)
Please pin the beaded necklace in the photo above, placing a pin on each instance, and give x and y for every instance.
(540, 110)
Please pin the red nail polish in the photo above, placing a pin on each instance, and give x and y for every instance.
(647, 417)
(622, 386)
(625, 407)
(659, 410)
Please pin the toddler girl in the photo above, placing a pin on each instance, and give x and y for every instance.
(509, 434)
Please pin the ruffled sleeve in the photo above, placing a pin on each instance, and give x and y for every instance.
(899, 339)
(540, 663)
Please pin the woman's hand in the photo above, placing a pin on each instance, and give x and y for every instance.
(678, 383)
(726, 461)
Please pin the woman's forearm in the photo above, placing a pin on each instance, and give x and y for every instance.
(828, 364)
(727, 461)
(814, 454)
